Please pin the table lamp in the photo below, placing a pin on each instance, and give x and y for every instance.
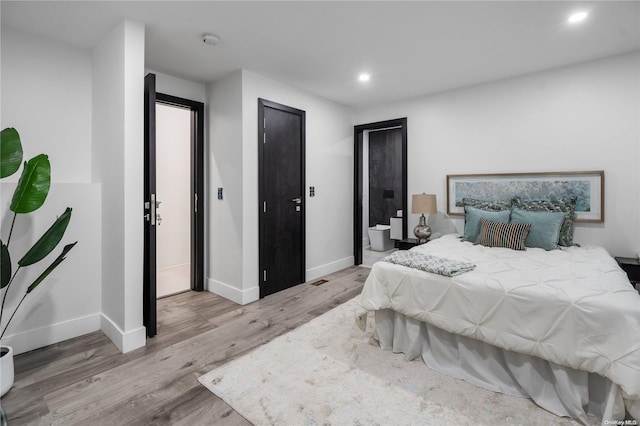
(423, 204)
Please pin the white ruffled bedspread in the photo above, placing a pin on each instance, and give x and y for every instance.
(574, 307)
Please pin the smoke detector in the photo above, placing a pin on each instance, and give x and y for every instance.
(211, 39)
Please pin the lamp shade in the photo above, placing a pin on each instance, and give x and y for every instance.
(423, 204)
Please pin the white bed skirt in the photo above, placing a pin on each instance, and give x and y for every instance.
(561, 390)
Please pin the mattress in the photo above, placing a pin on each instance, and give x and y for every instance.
(573, 307)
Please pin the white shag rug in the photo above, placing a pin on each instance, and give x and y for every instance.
(329, 372)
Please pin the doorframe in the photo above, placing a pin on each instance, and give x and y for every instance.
(358, 141)
(262, 104)
(197, 183)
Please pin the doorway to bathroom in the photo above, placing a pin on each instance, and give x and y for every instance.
(380, 189)
(170, 200)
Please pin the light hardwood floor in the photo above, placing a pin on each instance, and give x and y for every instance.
(87, 381)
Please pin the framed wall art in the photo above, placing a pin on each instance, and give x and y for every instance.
(587, 186)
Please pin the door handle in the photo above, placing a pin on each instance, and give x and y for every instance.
(297, 200)
(151, 206)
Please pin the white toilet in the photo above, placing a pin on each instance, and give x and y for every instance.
(380, 238)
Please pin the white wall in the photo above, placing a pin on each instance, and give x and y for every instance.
(173, 158)
(582, 117)
(67, 303)
(48, 84)
(175, 86)
(224, 217)
(47, 97)
(118, 87)
(233, 159)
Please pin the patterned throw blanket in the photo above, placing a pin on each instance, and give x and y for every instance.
(428, 263)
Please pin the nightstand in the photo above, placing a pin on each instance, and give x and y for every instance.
(408, 243)
(631, 266)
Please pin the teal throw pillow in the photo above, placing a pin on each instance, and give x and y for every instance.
(545, 227)
(566, 205)
(472, 218)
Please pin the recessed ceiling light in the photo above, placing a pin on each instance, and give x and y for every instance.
(577, 17)
(364, 77)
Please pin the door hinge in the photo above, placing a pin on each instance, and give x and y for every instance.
(264, 122)
(195, 203)
(264, 137)
(264, 206)
(264, 275)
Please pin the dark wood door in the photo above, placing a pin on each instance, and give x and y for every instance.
(149, 281)
(282, 196)
(385, 175)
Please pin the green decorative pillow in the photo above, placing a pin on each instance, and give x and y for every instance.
(494, 206)
(566, 205)
(472, 218)
(545, 227)
(509, 235)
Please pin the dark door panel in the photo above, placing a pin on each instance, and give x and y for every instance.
(385, 175)
(149, 281)
(282, 198)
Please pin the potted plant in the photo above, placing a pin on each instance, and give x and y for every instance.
(29, 195)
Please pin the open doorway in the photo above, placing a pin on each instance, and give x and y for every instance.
(173, 182)
(153, 205)
(380, 204)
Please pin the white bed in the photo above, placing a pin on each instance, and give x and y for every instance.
(561, 327)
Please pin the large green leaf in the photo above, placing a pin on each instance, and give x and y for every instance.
(5, 265)
(10, 152)
(51, 267)
(33, 185)
(48, 241)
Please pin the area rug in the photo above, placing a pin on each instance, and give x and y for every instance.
(329, 372)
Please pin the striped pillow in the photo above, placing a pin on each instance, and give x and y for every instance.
(509, 235)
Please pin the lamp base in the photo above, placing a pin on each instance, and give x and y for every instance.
(422, 231)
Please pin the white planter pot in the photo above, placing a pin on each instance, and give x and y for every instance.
(6, 369)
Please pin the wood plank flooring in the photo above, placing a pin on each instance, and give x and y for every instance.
(87, 381)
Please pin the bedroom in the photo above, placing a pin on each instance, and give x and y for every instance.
(582, 115)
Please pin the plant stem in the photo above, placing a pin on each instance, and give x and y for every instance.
(14, 312)
(7, 291)
(11, 230)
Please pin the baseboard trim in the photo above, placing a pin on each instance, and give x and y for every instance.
(124, 341)
(328, 268)
(241, 297)
(37, 338)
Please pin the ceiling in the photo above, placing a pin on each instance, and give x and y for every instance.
(409, 48)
